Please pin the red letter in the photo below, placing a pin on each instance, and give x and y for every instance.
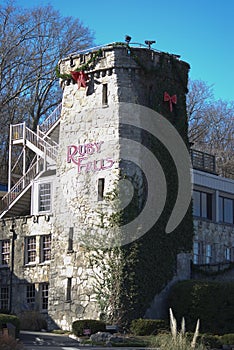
(108, 160)
(79, 163)
(71, 154)
(98, 145)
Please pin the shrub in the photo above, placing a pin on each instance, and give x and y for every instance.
(32, 321)
(211, 341)
(95, 326)
(8, 343)
(4, 319)
(227, 339)
(204, 300)
(147, 327)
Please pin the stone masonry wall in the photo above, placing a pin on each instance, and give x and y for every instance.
(87, 120)
(84, 120)
(21, 272)
(219, 236)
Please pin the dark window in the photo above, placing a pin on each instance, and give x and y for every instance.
(5, 252)
(226, 210)
(104, 95)
(69, 286)
(208, 254)
(101, 184)
(30, 294)
(228, 254)
(70, 239)
(46, 248)
(30, 249)
(44, 295)
(197, 252)
(202, 204)
(4, 298)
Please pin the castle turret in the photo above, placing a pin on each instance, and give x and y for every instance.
(111, 98)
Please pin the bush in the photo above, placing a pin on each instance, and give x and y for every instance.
(227, 339)
(211, 341)
(95, 326)
(4, 319)
(211, 302)
(32, 321)
(8, 343)
(147, 327)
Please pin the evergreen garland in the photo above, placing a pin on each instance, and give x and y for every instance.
(83, 67)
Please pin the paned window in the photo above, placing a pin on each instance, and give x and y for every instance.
(229, 254)
(197, 253)
(208, 256)
(30, 249)
(44, 295)
(5, 252)
(44, 197)
(30, 294)
(45, 248)
(4, 298)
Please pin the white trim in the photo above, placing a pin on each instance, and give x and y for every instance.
(35, 195)
(213, 182)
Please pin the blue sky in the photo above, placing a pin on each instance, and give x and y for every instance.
(201, 31)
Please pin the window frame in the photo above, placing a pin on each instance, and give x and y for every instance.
(47, 198)
(44, 296)
(3, 300)
(35, 208)
(5, 262)
(45, 249)
(197, 253)
(31, 295)
(100, 189)
(69, 290)
(30, 251)
(208, 253)
(222, 211)
(104, 94)
(205, 204)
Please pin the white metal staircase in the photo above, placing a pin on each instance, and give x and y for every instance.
(39, 143)
(46, 150)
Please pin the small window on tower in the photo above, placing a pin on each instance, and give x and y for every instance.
(69, 287)
(101, 184)
(70, 239)
(104, 95)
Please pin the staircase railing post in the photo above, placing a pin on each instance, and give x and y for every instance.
(10, 158)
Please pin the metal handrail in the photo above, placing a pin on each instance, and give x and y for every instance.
(50, 120)
(48, 146)
(203, 161)
(23, 182)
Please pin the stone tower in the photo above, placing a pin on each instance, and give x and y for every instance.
(96, 85)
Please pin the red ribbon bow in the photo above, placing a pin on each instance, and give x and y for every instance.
(171, 99)
(80, 77)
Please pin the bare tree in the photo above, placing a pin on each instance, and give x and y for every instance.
(31, 44)
(211, 125)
